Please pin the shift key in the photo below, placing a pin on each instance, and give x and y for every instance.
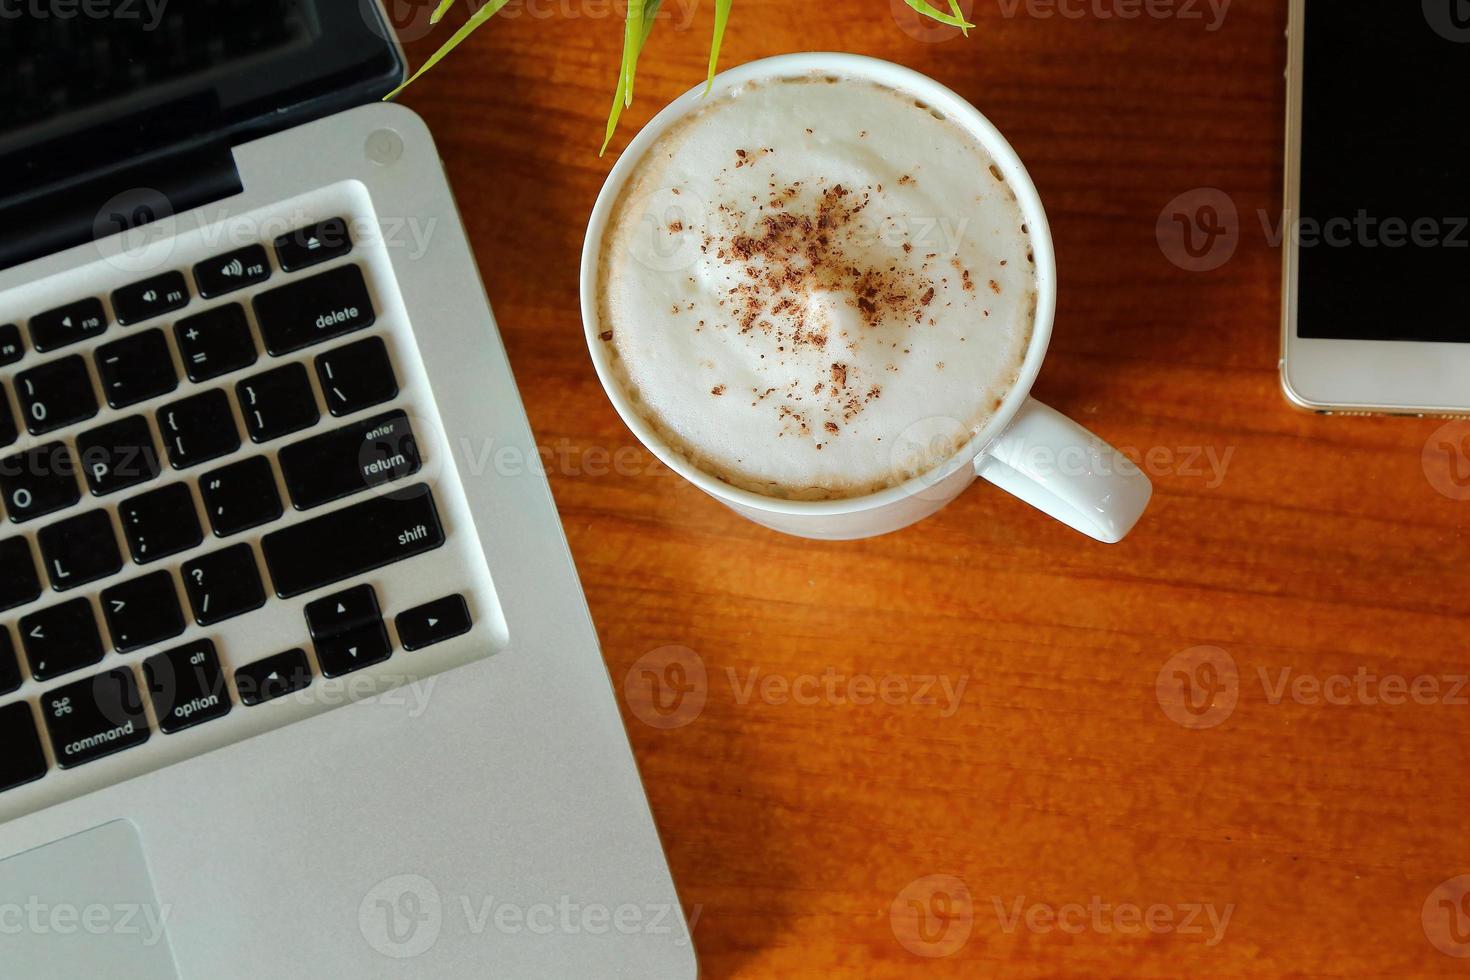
(313, 310)
(349, 542)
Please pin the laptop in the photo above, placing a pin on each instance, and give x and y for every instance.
(296, 676)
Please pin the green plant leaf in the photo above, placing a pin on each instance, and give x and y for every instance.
(953, 5)
(927, 9)
(722, 18)
(633, 38)
(440, 11)
(473, 24)
(620, 96)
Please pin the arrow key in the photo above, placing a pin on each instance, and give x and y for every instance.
(433, 622)
(143, 612)
(274, 677)
(353, 650)
(343, 612)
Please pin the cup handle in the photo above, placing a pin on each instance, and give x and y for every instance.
(1058, 467)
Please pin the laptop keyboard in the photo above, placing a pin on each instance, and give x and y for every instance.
(204, 442)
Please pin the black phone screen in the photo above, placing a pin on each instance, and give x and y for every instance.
(1383, 232)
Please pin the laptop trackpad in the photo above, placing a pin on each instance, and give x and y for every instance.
(84, 907)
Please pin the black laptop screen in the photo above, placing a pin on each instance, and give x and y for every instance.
(90, 87)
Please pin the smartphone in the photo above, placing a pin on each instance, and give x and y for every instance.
(1376, 229)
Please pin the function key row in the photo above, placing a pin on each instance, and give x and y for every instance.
(169, 291)
(99, 716)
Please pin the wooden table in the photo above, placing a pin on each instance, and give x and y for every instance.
(805, 829)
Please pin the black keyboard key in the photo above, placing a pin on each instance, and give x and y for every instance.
(187, 686)
(353, 650)
(96, 717)
(8, 430)
(160, 523)
(277, 403)
(198, 429)
(39, 481)
(12, 347)
(433, 622)
(55, 394)
(61, 639)
(343, 612)
(223, 585)
(150, 298)
(19, 583)
(215, 342)
(231, 271)
(22, 759)
(68, 324)
(136, 369)
(241, 496)
(10, 677)
(80, 550)
(357, 376)
(349, 542)
(142, 612)
(349, 460)
(274, 677)
(118, 456)
(314, 310)
(313, 244)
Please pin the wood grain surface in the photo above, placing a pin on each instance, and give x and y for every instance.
(968, 749)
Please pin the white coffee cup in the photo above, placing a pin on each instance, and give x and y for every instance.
(1028, 449)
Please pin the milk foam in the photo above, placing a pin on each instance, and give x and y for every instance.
(816, 288)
